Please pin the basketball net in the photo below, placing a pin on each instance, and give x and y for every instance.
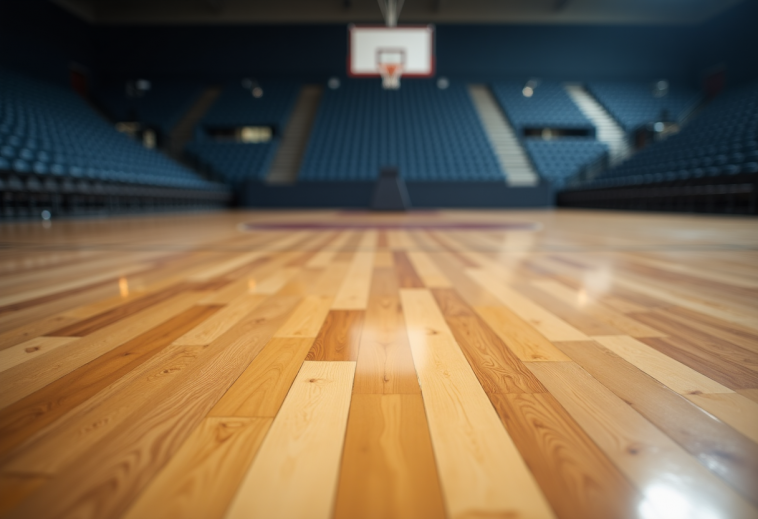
(391, 73)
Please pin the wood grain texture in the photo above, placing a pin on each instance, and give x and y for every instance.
(388, 467)
(498, 369)
(576, 477)
(339, 337)
(122, 463)
(15, 488)
(732, 408)
(22, 419)
(307, 318)
(261, 389)
(301, 453)
(546, 323)
(219, 323)
(522, 339)
(353, 294)
(202, 477)
(406, 273)
(385, 364)
(31, 376)
(33, 348)
(431, 276)
(481, 471)
(724, 451)
(636, 446)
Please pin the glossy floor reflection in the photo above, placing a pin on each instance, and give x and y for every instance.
(355, 365)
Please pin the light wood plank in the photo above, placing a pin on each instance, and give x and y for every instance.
(428, 271)
(481, 471)
(301, 453)
(671, 481)
(353, 294)
(666, 370)
(735, 409)
(220, 323)
(20, 353)
(549, 325)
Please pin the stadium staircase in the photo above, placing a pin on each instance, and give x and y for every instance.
(607, 129)
(294, 142)
(507, 147)
(183, 132)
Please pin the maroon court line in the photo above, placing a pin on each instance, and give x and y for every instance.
(507, 226)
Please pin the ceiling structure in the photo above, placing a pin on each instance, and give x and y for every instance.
(638, 12)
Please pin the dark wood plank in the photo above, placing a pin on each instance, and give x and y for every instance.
(29, 415)
(495, 365)
(578, 480)
(339, 337)
(388, 467)
(14, 488)
(406, 274)
(717, 446)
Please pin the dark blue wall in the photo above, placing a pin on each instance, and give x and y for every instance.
(478, 52)
(41, 39)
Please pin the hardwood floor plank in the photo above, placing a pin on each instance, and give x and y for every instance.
(724, 371)
(301, 453)
(431, 276)
(119, 467)
(732, 408)
(717, 446)
(481, 470)
(666, 370)
(221, 321)
(200, 480)
(20, 353)
(385, 364)
(307, 319)
(388, 468)
(353, 294)
(522, 339)
(22, 419)
(31, 376)
(671, 481)
(576, 477)
(14, 488)
(752, 394)
(549, 325)
(339, 337)
(596, 310)
(261, 389)
(498, 369)
(406, 273)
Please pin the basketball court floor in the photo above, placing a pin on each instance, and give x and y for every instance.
(354, 365)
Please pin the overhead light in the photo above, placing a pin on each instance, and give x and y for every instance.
(528, 91)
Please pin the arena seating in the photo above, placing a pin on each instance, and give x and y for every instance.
(548, 107)
(160, 107)
(233, 162)
(52, 142)
(633, 104)
(428, 133)
(722, 140)
(558, 160)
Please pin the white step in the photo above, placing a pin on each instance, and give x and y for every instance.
(507, 147)
(608, 130)
(286, 164)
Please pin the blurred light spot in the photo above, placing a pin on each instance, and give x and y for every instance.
(333, 83)
(257, 92)
(658, 126)
(581, 297)
(45, 214)
(443, 83)
(123, 287)
(528, 91)
(663, 501)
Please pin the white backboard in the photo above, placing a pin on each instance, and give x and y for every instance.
(413, 46)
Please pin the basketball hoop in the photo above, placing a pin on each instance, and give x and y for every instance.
(391, 73)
